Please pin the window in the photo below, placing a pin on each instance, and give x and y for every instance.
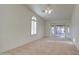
(68, 32)
(52, 29)
(34, 26)
(60, 31)
(68, 29)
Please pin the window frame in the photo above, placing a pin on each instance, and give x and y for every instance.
(33, 22)
(55, 30)
(61, 35)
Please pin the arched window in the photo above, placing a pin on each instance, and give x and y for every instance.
(33, 25)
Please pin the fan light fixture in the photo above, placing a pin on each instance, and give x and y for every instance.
(48, 10)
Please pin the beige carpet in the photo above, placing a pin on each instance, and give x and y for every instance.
(45, 47)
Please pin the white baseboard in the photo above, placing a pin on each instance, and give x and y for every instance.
(76, 45)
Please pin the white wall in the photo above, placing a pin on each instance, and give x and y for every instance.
(75, 26)
(15, 26)
(55, 22)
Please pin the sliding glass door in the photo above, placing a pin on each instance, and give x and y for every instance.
(60, 31)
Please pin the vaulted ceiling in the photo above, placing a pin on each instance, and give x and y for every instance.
(60, 11)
